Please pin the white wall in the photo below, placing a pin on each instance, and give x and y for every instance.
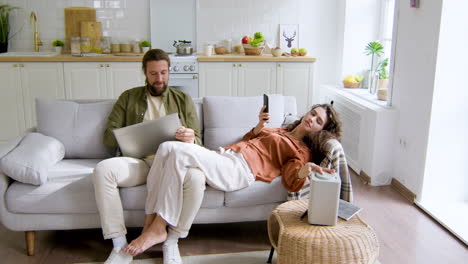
(415, 59)
(123, 20)
(447, 152)
(318, 23)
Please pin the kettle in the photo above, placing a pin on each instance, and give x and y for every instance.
(183, 47)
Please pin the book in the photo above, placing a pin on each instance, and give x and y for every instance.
(347, 210)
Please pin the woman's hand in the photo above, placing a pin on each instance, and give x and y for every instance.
(185, 135)
(263, 118)
(309, 167)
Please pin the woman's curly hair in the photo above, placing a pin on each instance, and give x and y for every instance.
(316, 140)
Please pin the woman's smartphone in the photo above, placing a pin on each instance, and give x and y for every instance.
(265, 103)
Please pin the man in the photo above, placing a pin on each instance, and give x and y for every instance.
(135, 105)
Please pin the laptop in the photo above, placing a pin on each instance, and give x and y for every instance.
(143, 139)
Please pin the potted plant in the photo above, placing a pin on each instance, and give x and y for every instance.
(5, 10)
(58, 44)
(383, 79)
(375, 49)
(145, 46)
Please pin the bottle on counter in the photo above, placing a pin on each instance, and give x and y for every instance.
(75, 49)
(85, 45)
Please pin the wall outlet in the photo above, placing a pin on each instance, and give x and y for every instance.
(403, 143)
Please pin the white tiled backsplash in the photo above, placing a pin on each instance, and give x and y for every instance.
(126, 20)
(123, 20)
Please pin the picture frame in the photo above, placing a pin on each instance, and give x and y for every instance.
(289, 36)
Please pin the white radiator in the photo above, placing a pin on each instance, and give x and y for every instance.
(368, 133)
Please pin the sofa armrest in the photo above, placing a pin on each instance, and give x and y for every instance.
(5, 181)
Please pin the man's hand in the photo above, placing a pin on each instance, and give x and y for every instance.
(309, 167)
(185, 135)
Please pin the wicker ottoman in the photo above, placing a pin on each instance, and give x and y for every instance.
(297, 242)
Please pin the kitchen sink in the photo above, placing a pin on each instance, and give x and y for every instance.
(28, 54)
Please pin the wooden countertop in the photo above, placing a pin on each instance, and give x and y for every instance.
(138, 58)
(263, 58)
(69, 58)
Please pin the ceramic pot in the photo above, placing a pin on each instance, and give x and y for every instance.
(276, 52)
(382, 94)
(383, 83)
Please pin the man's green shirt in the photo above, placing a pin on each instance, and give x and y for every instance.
(131, 106)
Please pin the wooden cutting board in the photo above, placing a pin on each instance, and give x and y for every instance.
(93, 30)
(73, 18)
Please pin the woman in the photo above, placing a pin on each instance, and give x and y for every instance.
(263, 154)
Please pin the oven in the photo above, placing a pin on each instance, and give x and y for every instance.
(184, 74)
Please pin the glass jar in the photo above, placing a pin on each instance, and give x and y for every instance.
(75, 46)
(85, 45)
(106, 45)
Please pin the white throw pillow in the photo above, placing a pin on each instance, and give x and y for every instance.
(30, 161)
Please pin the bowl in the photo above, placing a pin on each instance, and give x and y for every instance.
(351, 84)
(220, 50)
(276, 52)
(253, 51)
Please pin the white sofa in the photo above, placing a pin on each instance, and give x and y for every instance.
(66, 200)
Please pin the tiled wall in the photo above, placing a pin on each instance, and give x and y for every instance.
(233, 19)
(123, 20)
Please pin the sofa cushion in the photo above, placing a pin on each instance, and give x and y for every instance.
(257, 194)
(70, 190)
(226, 118)
(30, 161)
(79, 125)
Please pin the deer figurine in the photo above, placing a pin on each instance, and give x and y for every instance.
(289, 39)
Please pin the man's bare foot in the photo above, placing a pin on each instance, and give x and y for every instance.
(148, 221)
(145, 241)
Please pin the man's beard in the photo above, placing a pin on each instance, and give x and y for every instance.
(156, 91)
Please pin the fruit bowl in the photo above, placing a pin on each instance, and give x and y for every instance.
(254, 51)
(351, 84)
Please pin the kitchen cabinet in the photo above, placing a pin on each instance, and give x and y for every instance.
(296, 79)
(21, 84)
(101, 80)
(236, 79)
(255, 78)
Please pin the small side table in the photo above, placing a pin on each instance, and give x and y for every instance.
(298, 242)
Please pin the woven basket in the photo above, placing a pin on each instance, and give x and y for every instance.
(298, 242)
(253, 51)
(351, 84)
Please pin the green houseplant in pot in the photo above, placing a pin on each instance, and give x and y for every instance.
(382, 70)
(375, 49)
(5, 10)
(58, 44)
(145, 46)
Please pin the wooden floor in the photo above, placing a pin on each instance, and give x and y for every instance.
(406, 235)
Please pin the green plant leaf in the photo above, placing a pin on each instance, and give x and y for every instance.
(374, 48)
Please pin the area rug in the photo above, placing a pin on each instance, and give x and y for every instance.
(252, 257)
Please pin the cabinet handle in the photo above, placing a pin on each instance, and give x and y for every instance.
(21, 65)
(100, 65)
(240, 65)
(279, 65)
(234, 65)
(15, 65)
(107, 65)
(194, 77)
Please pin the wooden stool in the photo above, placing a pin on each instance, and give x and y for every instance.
(298, 242)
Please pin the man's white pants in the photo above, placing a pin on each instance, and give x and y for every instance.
(224, 170)
(117, 172)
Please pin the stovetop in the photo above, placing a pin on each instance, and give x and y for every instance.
(183, 64)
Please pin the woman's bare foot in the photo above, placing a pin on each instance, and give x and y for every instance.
(156, 233)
